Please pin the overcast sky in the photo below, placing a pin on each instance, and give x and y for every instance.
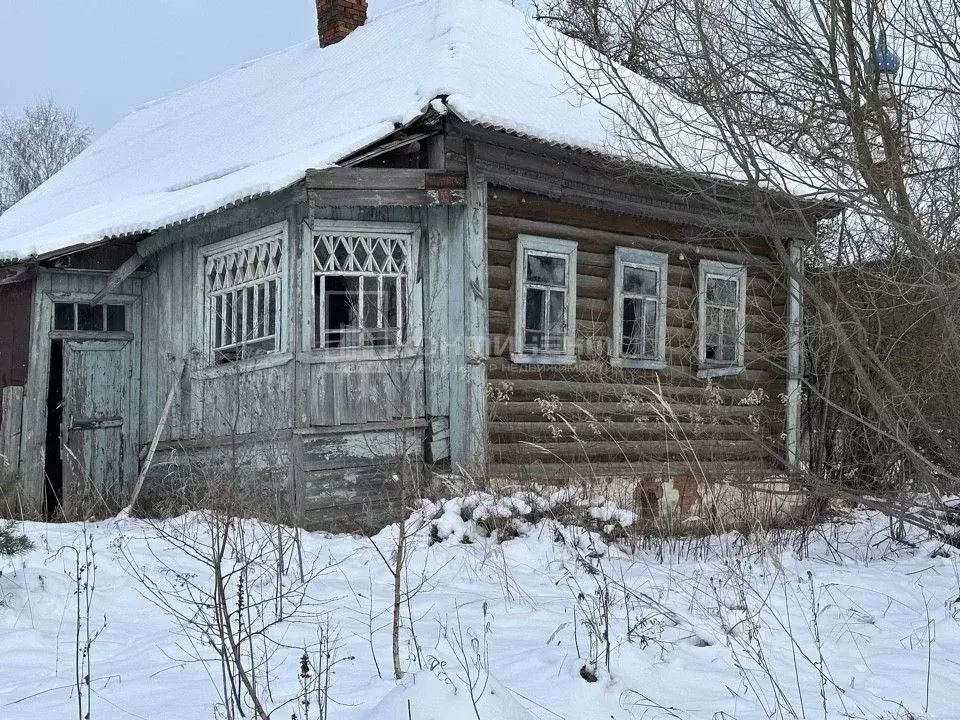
(105, 57)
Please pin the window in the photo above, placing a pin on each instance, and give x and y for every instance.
(89, 318)
(546, 283)
(362, 286)
(243, 285)
(640, 309)
(722, 305)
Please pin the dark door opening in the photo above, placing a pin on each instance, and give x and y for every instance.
(52, 460)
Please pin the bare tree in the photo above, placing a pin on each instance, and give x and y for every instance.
(34, 145)
(851, 103)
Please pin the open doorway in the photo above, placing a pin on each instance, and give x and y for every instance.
(53, 461)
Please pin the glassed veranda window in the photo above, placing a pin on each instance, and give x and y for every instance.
(722, 298)
(639, 309)
(243, 288)
(362, 286)
(546, 285)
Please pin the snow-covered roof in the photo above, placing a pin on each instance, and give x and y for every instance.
(257, 128)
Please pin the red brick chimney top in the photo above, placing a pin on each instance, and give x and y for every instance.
(338, 18)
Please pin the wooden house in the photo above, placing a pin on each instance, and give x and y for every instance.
(413, 239)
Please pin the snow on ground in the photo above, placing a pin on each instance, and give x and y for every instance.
(853, 625)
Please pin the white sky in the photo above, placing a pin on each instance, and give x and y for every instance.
(105, 57)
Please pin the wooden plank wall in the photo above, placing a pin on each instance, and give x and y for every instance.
(15, 325)
(593, 420)
(16, 300)
(300, 390)
(51, 284)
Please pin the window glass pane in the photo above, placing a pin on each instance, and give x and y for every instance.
(534, 320)
(557, 321)
(711, 334)
(632, 327)
(260, 311)
(217, 321)
(342, 302)
(63, 316)
(390, 303)
(116, 318)
(227, 318)
(89, 317)
(546, 270)
(272, 309)
(640, 328)
(722, 292)
(650, 329)
(371, 309)
(728, 336)
(639, 281)
(248, 314)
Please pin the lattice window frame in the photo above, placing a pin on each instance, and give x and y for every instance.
(315, 266)
(263, 257)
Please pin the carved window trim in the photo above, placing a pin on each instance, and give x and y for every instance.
(531, 246)
(381, 280)
(724, 272)
(243, 281)
(646, 260)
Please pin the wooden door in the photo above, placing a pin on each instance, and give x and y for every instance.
(96, 451)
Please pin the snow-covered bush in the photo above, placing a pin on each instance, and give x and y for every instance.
(501, 517)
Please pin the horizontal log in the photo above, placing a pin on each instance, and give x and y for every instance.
(579, 389)
(381, 178)
(514, 432)
(627, 451)
(561, 473)
(517, 411)
(568, 232)
(380, 197)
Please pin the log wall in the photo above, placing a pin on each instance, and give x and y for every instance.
(552, 422)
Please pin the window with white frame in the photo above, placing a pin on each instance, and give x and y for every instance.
(722, 310)
(362, 287)
(243, 290)
(639, 310)
(546, 283)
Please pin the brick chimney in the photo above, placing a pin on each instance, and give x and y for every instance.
(338, 18)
